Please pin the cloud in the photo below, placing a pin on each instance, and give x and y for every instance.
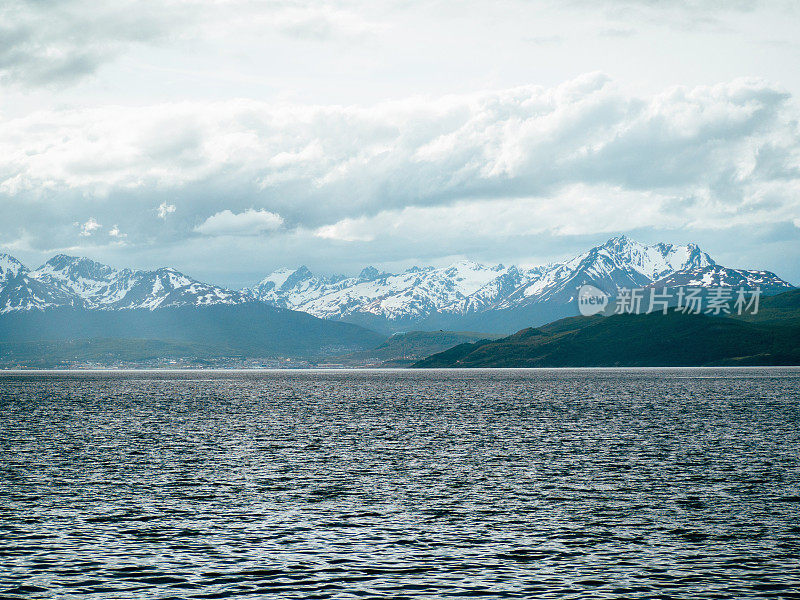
(62, 42)
(316, 165)
(321, 22)
(580, 158)
(623, 18)
(352, 230)
(690, 5)
(544, 40)
(90, 227)
(39, 44)
(577, 210)
(115, 232)
(165, 209)
(616, 32)
(249, 222)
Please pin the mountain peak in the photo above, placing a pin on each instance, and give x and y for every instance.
(62, 261)
(9, 267)
(470, 265)
(654, 261)
(621, 243)
(301, 272)
(74, 268)
(59, 261)
(369, 273)
(7, 260)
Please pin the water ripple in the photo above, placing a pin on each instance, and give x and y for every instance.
(505, 484)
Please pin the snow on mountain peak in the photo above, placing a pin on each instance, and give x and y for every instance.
(653, 262)
(717, 276)
(416, 292)
(76, 266)
(370, 273)
(462, 288)
(275, 279)
(76, 281)
(9, 267)
(466, 286)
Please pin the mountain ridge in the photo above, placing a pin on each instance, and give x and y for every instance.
(465, 295)
(492, 298)
(81, 282)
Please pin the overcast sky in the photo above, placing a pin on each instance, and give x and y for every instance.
(227, 138)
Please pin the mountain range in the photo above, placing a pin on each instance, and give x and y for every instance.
(83, 283)
(496, 298)
(465, 295)
(74, 307)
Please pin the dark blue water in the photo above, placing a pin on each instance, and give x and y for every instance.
(507, 484)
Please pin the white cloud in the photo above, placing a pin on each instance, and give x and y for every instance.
(249, 222)
(147, 109)
(320, 164)
(320, 22)
(576, 210)
(165, 209)
(115, 232)
(350, 230)
(90, 227)
(587, 156)
(38, 45)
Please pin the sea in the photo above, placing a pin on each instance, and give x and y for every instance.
(576, 483)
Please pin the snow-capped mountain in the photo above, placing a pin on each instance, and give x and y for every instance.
(10, 267)
(465, 295)
(619, 263)
(717, 276)
(467, 288)
(415, 293)
(80, 282)
(20, 291)
(101, 286)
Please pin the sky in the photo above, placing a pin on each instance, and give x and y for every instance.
(227, 138)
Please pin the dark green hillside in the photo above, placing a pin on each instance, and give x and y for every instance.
(781, 309)
(770, 338)
(403, 349)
